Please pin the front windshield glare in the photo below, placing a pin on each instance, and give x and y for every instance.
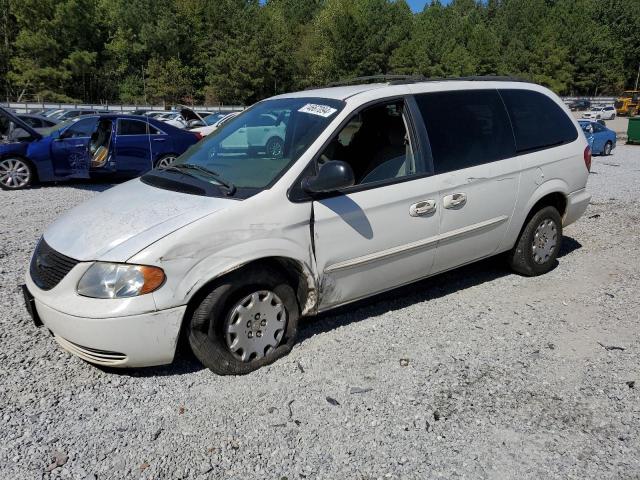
(254, 148)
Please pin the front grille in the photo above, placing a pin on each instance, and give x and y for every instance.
(92, 355)
(48, 267)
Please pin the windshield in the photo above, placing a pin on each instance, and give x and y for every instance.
(213, 118)
(60, 126)
(255, 147)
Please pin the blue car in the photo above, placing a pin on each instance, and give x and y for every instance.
(95, 145)
(601, 140)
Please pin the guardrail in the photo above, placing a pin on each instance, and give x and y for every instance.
(22, 107)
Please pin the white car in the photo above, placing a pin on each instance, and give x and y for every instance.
(376, 186)
(210, 128)
(600, 113)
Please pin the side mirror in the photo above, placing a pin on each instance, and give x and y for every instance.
(332, 176)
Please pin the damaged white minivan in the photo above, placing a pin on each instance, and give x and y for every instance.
(362, 188)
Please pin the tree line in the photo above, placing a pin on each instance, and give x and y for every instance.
(239, 51)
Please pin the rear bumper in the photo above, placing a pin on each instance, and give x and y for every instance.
(577, 204)
(131, 341)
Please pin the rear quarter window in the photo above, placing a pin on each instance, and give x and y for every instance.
(538, 122)
(466, 128)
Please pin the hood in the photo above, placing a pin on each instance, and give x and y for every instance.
(189, 114)
(117, 224)
(7, 115)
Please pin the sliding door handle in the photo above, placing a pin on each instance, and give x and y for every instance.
(456, 200)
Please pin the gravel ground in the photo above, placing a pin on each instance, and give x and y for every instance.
(477, 373)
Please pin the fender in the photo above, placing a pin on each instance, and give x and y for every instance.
(216, 262)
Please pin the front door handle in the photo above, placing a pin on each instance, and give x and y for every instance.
(424, 207)
(456, 200)
(158, 139)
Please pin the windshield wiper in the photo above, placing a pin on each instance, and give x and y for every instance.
(231, 188)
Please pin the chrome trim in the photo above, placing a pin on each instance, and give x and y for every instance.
(420, 244)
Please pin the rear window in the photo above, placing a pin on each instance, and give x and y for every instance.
(135, 127)
(538, 122)
(466, 128)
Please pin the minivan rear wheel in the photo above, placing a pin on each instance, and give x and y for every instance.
(537, 248)
(248, 319)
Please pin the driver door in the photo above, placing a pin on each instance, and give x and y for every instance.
(382, 232)
(70, 149)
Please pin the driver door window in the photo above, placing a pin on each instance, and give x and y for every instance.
(376, 144)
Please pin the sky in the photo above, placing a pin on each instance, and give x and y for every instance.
(418, 5)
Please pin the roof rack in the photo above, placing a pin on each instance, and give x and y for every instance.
(378, 78)
(405, 79)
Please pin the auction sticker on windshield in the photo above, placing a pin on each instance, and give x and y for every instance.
(315, 109)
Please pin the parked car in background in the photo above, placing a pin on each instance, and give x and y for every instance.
(601, 139)
(109, 144)
(37, 121)
(579, 105)
(206, 130)
(69, 114)
(231, 245)
(184, 117)
(601, 113)
(53, 112)
(208, 120)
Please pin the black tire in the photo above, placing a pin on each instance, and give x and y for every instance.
(607, 148)
(275, 147)
(521, 258)
(24, 171)
(206, 326)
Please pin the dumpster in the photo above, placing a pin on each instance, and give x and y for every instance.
(633, 130)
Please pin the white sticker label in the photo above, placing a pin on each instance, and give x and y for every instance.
(321, 110)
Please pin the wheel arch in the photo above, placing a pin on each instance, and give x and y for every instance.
(298, 275)
(552, 193)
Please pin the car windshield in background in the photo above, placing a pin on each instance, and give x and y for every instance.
(254, 148)
(60, 126)
(213, 118)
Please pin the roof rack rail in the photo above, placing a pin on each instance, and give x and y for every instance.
(378, 78)
(405, 79)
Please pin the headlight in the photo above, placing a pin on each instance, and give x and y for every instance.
(119, 280)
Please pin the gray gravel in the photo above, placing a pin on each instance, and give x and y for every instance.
(477, 373)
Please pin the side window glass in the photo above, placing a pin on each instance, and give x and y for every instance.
(466, 128)
(376, 143)
(131, 127)
(538, 122)
(154, 131)
(81, 128)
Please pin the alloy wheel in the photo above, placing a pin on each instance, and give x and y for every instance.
(14, 173)
(164, 162)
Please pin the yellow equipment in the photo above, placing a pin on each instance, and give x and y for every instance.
(628, 103)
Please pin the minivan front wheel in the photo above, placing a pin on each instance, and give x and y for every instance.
(607, 148)
(248, 320)
(537, 248)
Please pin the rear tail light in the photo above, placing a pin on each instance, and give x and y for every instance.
(587, 157)
(198, 136)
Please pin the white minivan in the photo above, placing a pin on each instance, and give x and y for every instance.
(376, 186)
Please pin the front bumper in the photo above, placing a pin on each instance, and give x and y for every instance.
(119, 333)
(131, 341)
(577, 203)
